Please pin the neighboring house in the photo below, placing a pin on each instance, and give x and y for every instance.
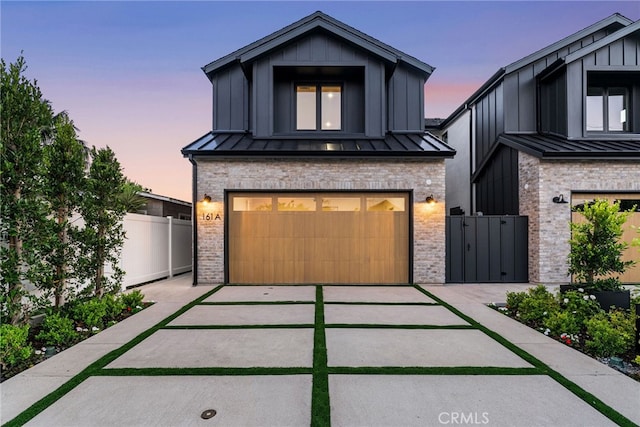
(317, 169)
(164, 206)
(559, 125)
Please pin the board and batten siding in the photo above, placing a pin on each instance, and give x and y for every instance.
(520, 86)
(406, 100)
(319, 50)
(497, 186)
(230, 100)
(621, 55)
(553, 104)
(489, 119)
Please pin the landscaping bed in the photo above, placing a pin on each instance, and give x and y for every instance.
(576, 319)
(22, 347)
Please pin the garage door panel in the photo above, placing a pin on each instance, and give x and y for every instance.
(348, 238)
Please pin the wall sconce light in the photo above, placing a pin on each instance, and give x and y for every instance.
(206, 198)
(431, 200)
(559, 199)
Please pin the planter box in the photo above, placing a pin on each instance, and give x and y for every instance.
(606, 299)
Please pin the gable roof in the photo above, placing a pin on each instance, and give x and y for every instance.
(615, 21)
(243, 145)
(628, 30)
(309, 23)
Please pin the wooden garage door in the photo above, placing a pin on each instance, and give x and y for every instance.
(627, 201)
(318, 238)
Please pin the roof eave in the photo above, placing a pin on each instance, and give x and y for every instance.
(316, 20)
(616, 18)
(580, 53)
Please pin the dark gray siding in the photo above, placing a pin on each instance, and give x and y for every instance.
(489, 118)
(553, 104)
(351, 80)
(623, 57)
(406, 100)
(327, 53)
(520, 87)
(497, 186)
(230, 100)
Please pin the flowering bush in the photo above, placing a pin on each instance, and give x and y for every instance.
(532, 307)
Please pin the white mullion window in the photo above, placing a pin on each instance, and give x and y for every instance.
(318, 107)
(607, 109)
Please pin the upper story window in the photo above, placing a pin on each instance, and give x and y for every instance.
(318, 107)
(607, 109)
(612, 102)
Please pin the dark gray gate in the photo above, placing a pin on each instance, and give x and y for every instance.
(485, 249)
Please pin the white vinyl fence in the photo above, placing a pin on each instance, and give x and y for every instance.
(155, 248)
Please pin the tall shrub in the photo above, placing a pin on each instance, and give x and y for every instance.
(103, 212)
(25, 119)
(596, 249)
(65, 158)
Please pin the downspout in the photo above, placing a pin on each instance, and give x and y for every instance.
(471, 154)
(194, 219)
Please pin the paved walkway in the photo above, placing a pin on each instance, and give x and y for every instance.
(326, 355)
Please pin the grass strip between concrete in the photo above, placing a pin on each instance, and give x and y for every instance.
(320, 404)
(274, 326)
(378, 326)
(95, 368)
(432, 370)
(254, 302)
(150, 372)
(378, 303)
(545, 369)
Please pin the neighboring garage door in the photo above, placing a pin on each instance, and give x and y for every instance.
(627, 201)
(318, 238)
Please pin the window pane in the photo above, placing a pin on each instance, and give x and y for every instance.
(305, 107)
(331, 108)
(303, 204)
(341, 204)
(617, 111)
(395, 204)
(595, 109)
(251, 204)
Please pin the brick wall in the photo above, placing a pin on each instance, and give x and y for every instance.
(549, 233)
(214, 177)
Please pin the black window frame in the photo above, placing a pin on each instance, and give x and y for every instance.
(318, 85)
(604, 93)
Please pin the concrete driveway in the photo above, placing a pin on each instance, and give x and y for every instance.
(320, 355)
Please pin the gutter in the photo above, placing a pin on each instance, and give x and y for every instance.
(194, 197)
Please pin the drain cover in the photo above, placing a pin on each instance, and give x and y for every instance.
(209, 413)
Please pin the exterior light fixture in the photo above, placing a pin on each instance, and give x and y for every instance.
(430, 200)
(559, 199)
(206, 198)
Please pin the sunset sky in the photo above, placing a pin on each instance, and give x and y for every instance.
(128, 72)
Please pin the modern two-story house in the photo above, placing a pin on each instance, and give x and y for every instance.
(317, 168)
(555, 129)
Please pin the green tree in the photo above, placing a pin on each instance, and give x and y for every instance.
(65, 159)
(103, 212)
(130, 198)
(596, 248)
(25, 119)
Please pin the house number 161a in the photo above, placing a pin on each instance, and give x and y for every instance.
(211, 217)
